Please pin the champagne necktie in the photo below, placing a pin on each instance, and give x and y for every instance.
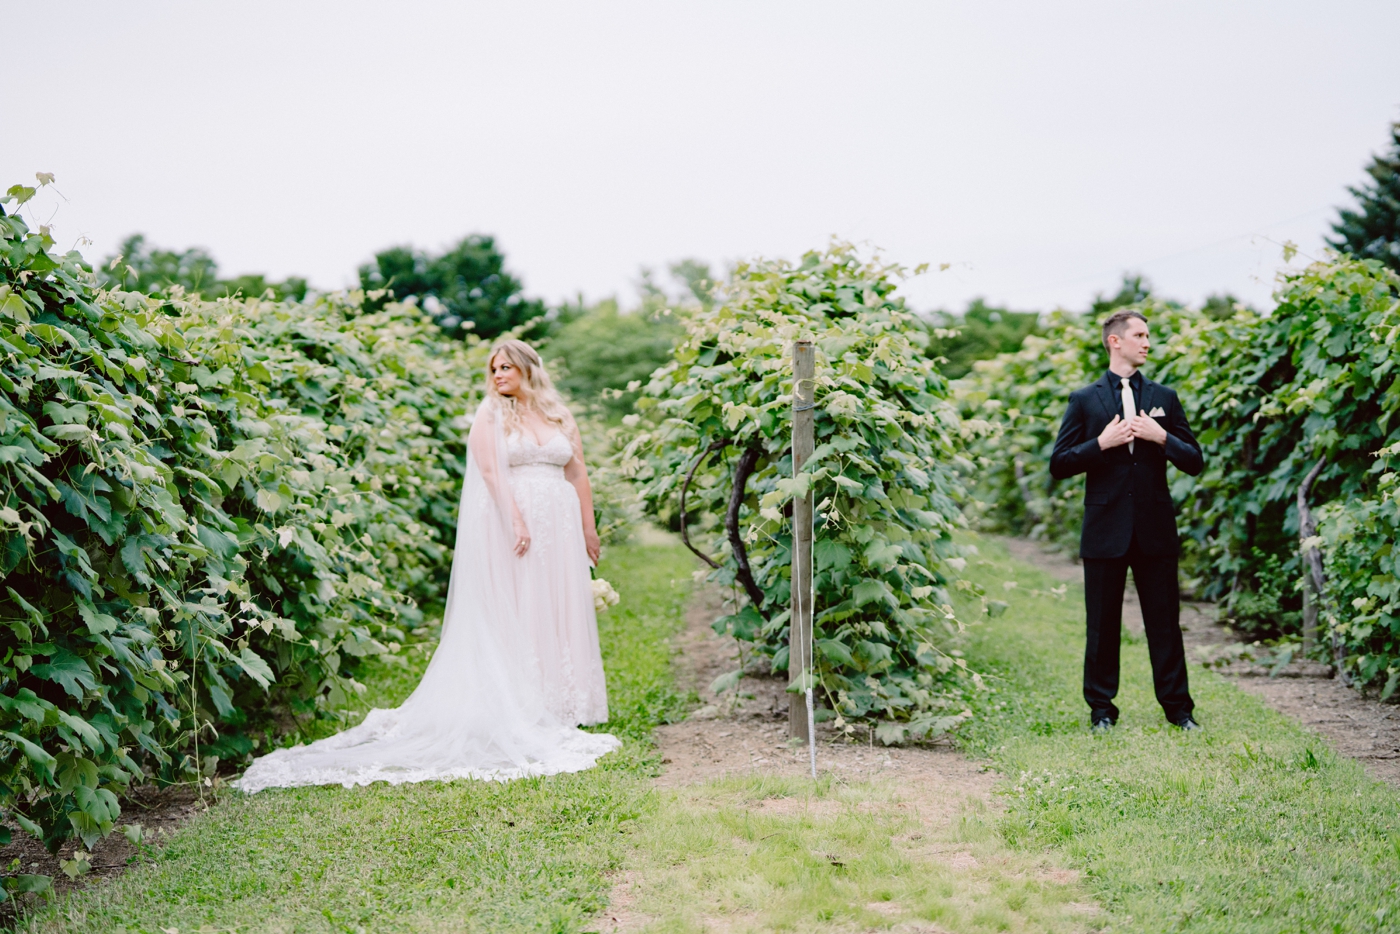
(1129, 410)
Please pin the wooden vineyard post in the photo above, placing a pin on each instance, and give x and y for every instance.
(800, 661)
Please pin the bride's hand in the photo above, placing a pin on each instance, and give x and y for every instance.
(593, 546)
(522, 538)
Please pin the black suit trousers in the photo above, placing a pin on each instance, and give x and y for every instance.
(1156, 580)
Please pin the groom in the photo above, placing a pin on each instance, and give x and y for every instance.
(1122, 431)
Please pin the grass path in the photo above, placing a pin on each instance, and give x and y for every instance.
(887, 839)
(1251, 825)
(764, 852)
(529, 855)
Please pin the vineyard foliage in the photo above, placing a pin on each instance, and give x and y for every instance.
(1271, 394)
(1268, 395)
(883, 476)
(1351, 397)
(212, 513)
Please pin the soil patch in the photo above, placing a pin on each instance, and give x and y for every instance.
(1355, 726)
(158, 811)
(746, 729)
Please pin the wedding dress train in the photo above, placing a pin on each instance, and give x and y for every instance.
(518, 666)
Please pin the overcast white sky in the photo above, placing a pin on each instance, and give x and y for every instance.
(1043, 148)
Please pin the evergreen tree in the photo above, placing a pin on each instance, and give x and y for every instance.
(1373, 230)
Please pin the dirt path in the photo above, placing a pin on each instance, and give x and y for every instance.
(747, 731)
(1356, 726)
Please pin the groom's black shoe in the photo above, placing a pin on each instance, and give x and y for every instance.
(1102, 724)
(1186, 723)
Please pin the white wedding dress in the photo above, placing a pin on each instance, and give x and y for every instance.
(518, 667)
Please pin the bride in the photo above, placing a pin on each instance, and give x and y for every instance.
(518, 667)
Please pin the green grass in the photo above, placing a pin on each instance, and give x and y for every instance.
(764, 853)
(1250, 825)
(461, 856)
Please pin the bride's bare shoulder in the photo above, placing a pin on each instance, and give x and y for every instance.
(486, 411)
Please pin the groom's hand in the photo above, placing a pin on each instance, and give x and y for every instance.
(1147, 429)
(1115, 434)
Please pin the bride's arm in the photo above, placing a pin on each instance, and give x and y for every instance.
(577, 474)
(483, 441)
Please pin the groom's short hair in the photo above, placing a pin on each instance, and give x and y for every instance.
(1117, 322)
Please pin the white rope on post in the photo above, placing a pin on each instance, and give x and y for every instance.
(812, 716)
(809, 654)
(811, 636)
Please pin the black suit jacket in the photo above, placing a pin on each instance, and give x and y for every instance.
(1124, 493)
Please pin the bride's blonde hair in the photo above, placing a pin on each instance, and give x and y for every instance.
(536, 388)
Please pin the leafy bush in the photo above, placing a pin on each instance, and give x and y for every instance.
(1269, 608)
(882, 473)
(1271, 394)
(1022, 396)
(1351, 398)
(339, 467)
(212, 512)
(88, 506)
(1363, 606)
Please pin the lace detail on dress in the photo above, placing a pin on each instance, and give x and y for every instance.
(523, 451)
(561, 605)
(342, 759)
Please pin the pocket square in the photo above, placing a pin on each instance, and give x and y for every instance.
(1157, 413)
